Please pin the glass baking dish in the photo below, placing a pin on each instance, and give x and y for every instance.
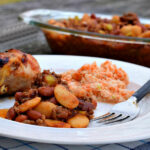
(75, 42)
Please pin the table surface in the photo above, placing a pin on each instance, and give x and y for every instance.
(10, 28)
(13, 35)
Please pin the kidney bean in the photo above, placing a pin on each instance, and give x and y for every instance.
(53, 100)
(93, 16)
(11, 114)
(34, 115)
(18, 96)
(21, 97)
(21, 118)
(46, 91)
(33, 93)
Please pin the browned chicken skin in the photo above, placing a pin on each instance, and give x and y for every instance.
(17, 71)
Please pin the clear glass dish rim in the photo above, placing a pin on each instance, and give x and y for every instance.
(91, 35)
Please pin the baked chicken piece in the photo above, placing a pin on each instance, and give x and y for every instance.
(17, 71)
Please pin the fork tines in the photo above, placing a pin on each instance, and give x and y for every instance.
(109, 118)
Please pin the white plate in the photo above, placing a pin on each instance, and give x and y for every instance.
(130, 131)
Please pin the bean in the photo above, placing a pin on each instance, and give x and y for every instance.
(34, 115)
(56, 123)
(29, 104)
(93, 16)
(46, 91)
(18, 96)
(11, 114)
(53, 100)
(65, 97)
(33, 93)
(21, 118)
(45, 108)
(79, 121)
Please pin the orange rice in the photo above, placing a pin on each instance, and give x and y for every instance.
(106, 83)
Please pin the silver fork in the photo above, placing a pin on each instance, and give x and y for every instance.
(125, 111)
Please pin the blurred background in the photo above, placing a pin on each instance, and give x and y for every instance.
(15, 34)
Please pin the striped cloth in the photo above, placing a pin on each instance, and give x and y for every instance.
(13, 144)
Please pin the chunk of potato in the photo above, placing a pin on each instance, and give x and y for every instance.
(131, 30)
(29, 104)
(56, 123)
(79, 121)
(115, 19)
(45, 108)
(146, 34)
(50, 80)
(3, 113)
(82, 112)
(65, 98)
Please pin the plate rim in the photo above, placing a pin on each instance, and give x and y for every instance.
(53, 55)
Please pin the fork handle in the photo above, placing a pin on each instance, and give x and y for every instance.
(140, 93)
